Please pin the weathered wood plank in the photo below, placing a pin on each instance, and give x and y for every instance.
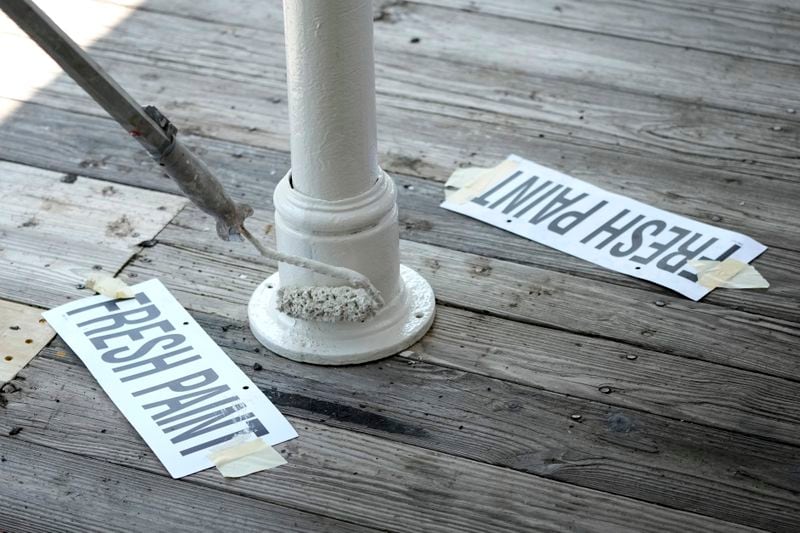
(690, 329)
(251, 173)
(765, 30)
(352, 475)
(55, 232)
(615, 374)
(44, 489)
(464, 37)
(513, 108)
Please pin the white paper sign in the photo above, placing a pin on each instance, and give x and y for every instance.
(177, 388)
(607, 229)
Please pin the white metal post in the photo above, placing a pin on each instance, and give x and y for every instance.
(331, 78)
(336, 205)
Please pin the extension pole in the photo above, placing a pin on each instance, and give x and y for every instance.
(336, 205)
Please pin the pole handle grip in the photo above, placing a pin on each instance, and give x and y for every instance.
(204, 190)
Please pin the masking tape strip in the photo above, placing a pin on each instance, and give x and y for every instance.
(728, 274)
(245, 458)
(749, 278)
(108, 286)
(473, 181)
(463, 177)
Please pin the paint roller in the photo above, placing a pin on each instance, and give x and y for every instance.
(356, 300)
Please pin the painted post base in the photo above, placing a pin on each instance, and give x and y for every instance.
(401, 323)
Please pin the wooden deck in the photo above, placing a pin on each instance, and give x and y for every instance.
(550, 394)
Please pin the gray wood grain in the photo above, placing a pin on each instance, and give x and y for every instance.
(44, 490)
(762, 30)
(353, 474)
(615, 374)
(475, 93)
(54, 233)
(766, 29)
(465, 38)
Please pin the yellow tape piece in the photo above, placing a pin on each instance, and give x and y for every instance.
(108, 286)
(470, 182)
(728, 274)
(245, 458)
(461, 178)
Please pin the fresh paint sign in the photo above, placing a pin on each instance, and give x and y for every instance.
(177, 388)
(607, 229)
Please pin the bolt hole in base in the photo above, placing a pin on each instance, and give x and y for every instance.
(398, 325)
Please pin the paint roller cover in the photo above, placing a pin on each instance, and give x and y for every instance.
(326, 304)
